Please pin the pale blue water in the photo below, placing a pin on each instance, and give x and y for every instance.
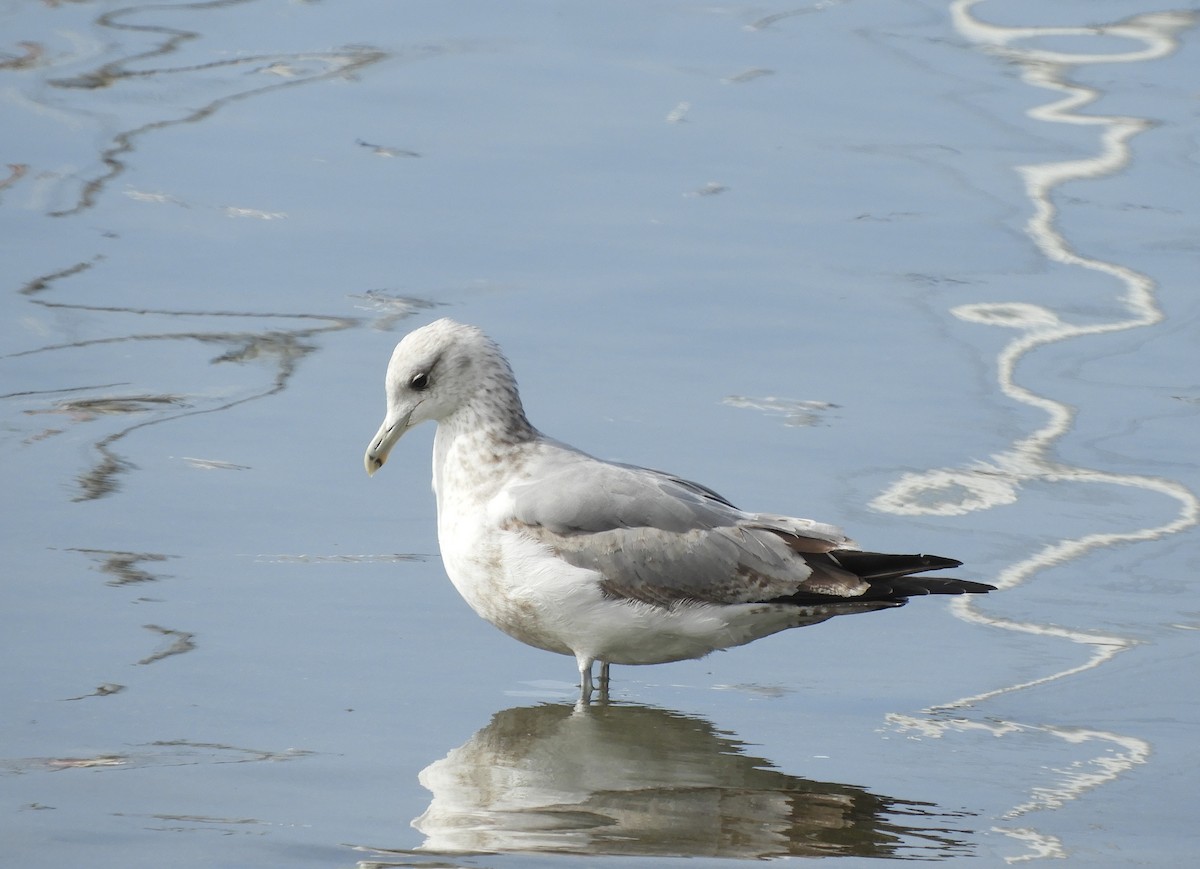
(924, 270)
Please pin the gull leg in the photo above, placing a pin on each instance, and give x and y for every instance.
(604, 681)
(585, 679)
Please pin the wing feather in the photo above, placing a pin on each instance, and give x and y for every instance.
(659, 539)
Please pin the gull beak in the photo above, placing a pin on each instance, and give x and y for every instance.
(390, 432)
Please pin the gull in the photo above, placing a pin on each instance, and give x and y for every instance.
(607, 562)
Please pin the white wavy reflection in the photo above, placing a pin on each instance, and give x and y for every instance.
(997, 480)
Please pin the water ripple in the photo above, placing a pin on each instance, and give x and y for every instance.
(999, 479)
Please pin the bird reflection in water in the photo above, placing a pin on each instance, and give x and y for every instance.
(635, 780)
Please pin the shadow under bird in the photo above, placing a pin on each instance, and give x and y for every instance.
(610, 562)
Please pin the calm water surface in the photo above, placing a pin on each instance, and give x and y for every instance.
(923, 269)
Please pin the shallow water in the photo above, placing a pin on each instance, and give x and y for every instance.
(920, 269)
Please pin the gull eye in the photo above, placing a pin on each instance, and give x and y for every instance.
(419, 382)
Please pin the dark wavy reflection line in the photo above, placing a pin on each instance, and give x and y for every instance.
(241, 338)
(640, 781)
(343, 62)
(180, 643)
(27, 393)
(114, 70)
(44, 282)
(124, 567)
(285, 348)
(177, 312)
(124, 142)
(162, 753)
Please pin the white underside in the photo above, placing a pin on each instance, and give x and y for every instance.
(539, 599)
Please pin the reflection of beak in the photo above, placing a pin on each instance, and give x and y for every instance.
(384, 440)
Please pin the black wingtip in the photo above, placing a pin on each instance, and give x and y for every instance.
(940, 585)
(881, 565)
(937, 562)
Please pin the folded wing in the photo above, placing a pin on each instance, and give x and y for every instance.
(660, 540)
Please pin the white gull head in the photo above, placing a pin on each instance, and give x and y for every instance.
(438, 371)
